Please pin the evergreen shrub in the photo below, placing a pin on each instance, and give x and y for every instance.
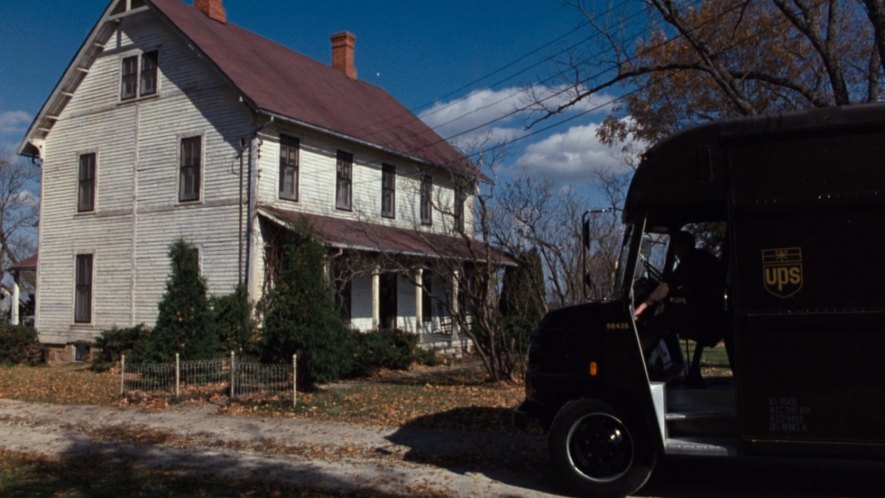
(184, 324)
(114, 343)
(19, 344)
(234, 325)
(299, 315)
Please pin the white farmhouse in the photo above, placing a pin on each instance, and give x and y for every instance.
(172, 123)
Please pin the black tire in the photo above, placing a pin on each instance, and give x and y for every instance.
(597, 452)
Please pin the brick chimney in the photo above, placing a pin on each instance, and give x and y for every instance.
(342, 53)
(212, 8)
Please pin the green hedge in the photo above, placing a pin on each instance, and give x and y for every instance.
(394, 349)
(19, 344)
(119, 341)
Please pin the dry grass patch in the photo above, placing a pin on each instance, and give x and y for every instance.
(71, 384)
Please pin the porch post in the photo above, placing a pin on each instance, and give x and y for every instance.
(453, 306)
(419, 300)
(376, 297)
(13, 304)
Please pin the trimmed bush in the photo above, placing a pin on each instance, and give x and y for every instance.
(114, 343)
(387, 348)
(19, 344)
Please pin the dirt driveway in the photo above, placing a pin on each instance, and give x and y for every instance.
(319, 455)
(355, 459)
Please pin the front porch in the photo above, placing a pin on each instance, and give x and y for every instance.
(384, 277)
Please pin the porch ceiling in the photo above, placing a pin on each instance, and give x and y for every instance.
(369, 237)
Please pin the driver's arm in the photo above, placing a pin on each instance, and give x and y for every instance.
(660, 292)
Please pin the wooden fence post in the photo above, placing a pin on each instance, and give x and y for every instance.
(233, 375)
(294, 380)
(122, 375)
(177, 376)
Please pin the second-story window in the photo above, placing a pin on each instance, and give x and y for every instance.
(426, 191)
(344, 184)
(139, 71)
(86, 183)
(460, 197)
(388, 191)
(289, 168)
(149, 73)
(129, 86)
(189, 170)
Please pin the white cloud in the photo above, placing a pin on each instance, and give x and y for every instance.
(492, 116)
(574, 153)
(14, 121)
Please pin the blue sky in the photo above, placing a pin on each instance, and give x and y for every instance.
(424, 52)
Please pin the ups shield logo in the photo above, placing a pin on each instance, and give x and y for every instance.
(782, 271)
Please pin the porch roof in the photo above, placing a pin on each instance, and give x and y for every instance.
(28, 264)
(362, 236)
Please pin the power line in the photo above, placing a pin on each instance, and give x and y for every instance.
(412, 111)
(620, 97)
(518, 110)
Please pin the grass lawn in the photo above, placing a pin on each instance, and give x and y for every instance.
(26, 476)
(443, 397)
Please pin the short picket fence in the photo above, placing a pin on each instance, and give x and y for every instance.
(240, 380)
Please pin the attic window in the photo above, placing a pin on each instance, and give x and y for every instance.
(139, 71)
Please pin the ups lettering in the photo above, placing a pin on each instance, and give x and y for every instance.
(780, 276)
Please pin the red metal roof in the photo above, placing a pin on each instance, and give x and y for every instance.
(26, 264)
(360, 236)
(283, 82)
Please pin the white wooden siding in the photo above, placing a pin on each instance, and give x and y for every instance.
(317, 182)
(137, 212)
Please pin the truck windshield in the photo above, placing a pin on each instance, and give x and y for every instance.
(650, 259)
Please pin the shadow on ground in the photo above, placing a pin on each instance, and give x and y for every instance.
(108, 470)
(521, 460)
(506, 456)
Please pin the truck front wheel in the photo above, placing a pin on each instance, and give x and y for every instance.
(597, 451)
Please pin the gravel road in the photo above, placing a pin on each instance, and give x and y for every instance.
(349, 458)
(319, 455)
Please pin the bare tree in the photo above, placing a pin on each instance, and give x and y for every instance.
(697, 62)
(537, 213)
(19, 212)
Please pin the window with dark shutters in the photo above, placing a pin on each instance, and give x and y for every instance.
(388, 191)
(289, 148)
(139, 72)
(149, 62)
(86, 183)
(344, 184)
(189, 171)
(83, 294)
(460, 197)
(129, 83)
(426, 191)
